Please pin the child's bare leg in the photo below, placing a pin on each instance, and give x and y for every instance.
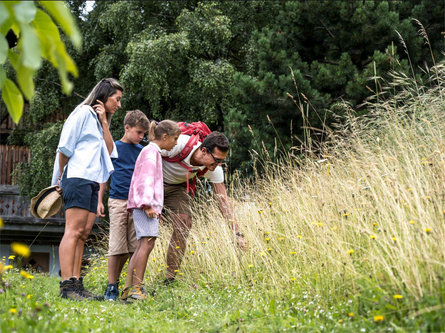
(138, 262)
(115, 265)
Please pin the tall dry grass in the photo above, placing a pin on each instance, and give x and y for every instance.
(368, 212)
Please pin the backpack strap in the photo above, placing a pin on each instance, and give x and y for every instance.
(193, 140)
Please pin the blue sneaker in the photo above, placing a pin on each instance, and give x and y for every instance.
(112, 292)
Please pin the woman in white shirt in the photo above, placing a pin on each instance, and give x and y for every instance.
(82, 163)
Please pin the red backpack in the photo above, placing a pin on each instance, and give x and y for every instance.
(198, 131)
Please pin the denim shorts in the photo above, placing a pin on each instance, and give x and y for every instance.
(80, 193)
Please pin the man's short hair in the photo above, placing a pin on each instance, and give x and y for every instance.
(136, 118)
(218, 140)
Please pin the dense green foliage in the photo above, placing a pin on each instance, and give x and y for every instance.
(37, 38)
(233, 64)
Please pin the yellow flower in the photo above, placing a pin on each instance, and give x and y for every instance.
(319, 224)
(250, 266)
(21, 249)
(11, 257)
(375, 224)
(340, 320)
(281, 238)
(411, 222)
(394, 239)
(293, 252)
(270, 204)
(372, 237)
(378, 318)
(262, 253)
(192, 252)
(12, 310)
(177, 247)
(26, 275)
(266, 232)
(154, 259)
(293, 279)
(181, 273)
(1, 267)
(350, 252)
(299, 236)
(260, 212)
(29, 296)
(269, 250)
(8, 267)
(1, 223)
(176, 270)
(397, 296)
(427, 230)
(267, 239)
(351, 314)
(346, 214)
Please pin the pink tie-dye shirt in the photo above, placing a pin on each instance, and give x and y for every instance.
(147, 183)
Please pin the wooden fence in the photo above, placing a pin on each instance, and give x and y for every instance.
(10, 156)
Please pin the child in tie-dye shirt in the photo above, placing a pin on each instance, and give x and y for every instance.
(145, 200)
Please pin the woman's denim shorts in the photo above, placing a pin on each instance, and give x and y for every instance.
(80, 193)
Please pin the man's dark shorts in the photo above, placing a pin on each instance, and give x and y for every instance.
(176, 199)
(80, 193)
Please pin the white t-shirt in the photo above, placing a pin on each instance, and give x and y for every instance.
(174, 173)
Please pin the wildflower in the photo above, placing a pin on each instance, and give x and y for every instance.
(293, 279)
(177, 247)
(202, 243)
(372, 237)
(260, 212)
(281, 238)
(427, 230)
(411, 222)
(319, 224)
(176, 270)
(1, 268)
(346, 214)
(262, 253)
(350, 252)
(299, 236)
(266, 233)
(26, 275)
(8, 267)
(375, 224)
(94, 268)
(154, 259)
(293, 252)
(192, 252)
(181, 273)
(1, 223)
(12, 310)
(250, 266)
(267, 240)
(269, 250)
(340, 320)
(397, 296)
(378, 318)
(394, 239)
(28, 297)
(351, 314)
(11, 257)
(270, 204)
(21, 249)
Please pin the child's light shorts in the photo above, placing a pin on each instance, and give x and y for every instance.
(145, 226)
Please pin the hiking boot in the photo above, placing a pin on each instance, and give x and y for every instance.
(85, 293)
(134, 292)
(169, 281)
(112, 292)
(69, 290)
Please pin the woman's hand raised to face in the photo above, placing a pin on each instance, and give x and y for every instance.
(101, 112)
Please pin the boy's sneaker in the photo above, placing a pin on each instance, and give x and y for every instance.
(85, 293)
(134, 292)
(112, 292)
(69, 290)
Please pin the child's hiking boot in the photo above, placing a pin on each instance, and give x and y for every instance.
(85, 293)
(69, 290)
(134, 292)
(112, 292)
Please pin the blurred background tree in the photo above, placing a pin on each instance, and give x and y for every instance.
(232, 64)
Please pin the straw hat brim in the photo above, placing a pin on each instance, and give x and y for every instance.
(47, 203)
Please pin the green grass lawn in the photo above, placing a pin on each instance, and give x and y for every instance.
(32, 305)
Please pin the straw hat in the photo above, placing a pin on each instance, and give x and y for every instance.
(47, 203)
